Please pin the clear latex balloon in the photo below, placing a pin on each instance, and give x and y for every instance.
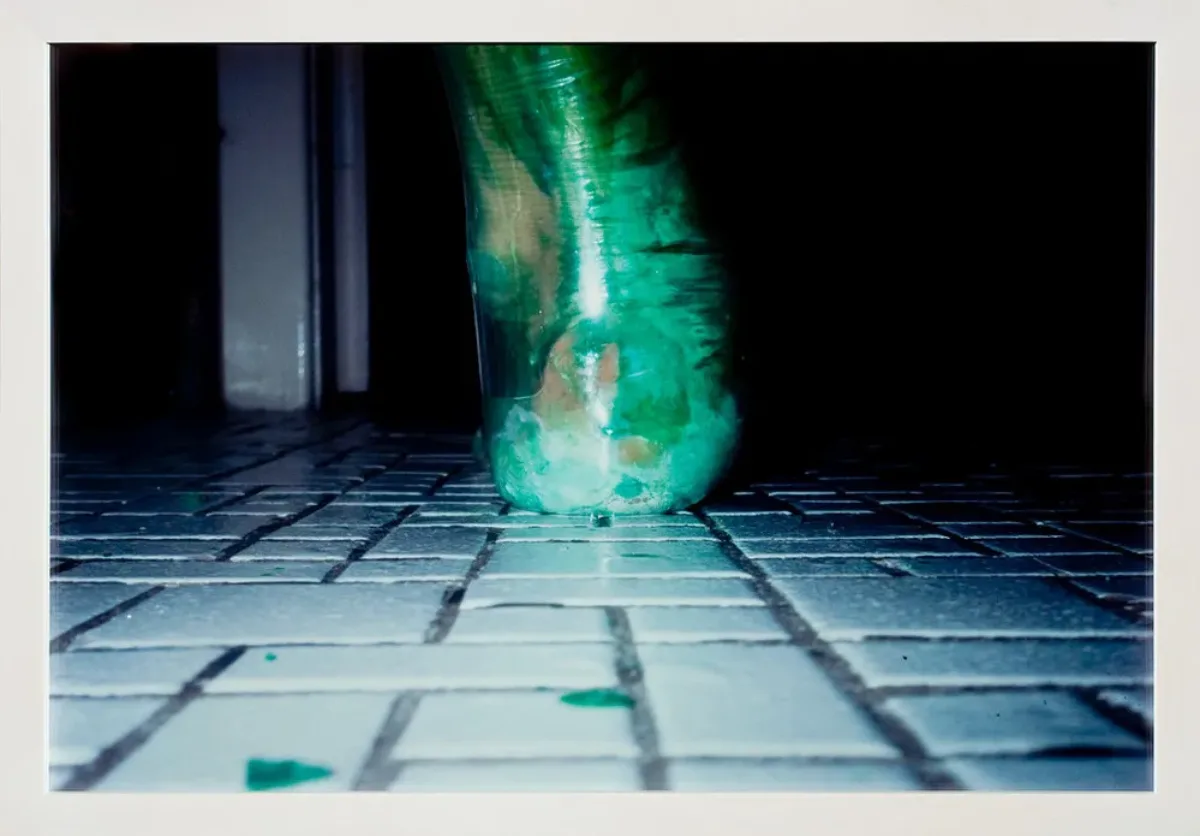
(601, 308)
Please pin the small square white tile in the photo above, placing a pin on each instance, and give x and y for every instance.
(394, 668)
(355, 516)
(752, 701)
(985, 530)
(775, 527)
(661, 521)
(600, 592)
(138, 549)
(469, 490)
(194, 572)
(514, 726)
(556, 554)
(1006, 723)
(560, 560)
(859, 514)
(436, 516)
(726, 775)
(207, 746)
(853, 548)
(188, 502)
(701, 624)
(479, 511)
(274, 614)
(1054, 774)
(117, 673)
(481, 503)
(255, 508)
(1098, 564)
(529, 625)
(115, 527)
(627, 533)
(81, 728)
(393, 482)
(1039, 546)
(1119, 588)
(429, 542)
(825, 567)
(951, 567)
(519, 776)
(1013, 662)
(278, 550)
(317, 533)
(72, 604)
(409, 569)
(1138, 700)
(856, 608)
(381, 499)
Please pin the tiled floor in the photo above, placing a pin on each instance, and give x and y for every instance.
(359, 610)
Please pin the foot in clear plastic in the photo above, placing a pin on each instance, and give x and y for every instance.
(614, 428)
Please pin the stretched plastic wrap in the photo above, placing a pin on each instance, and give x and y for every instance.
(601, 309)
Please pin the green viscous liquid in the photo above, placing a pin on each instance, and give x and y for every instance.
(601, 308)
(598, 698)
(263, 775)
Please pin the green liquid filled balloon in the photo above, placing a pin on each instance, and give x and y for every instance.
(601, 308)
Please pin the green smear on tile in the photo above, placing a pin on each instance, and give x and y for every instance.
(270, 775)
(598, 698)
(271, 657)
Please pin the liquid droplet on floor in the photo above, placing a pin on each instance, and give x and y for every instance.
(269, 775)
(598, 698)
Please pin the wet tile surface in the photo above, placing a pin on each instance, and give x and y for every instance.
(532, 625)
(279, 668)
(726, 775)
(73, 604)
(857, 627)
(82, 728)
(207, 747)
(194, 572)
(1055, 774)
(1008, 724)
(574, 775)
(116, 673)
(487, 726)
(853, 608)
(222, 614)
(700, 624)
(743, 701)
(988, 662)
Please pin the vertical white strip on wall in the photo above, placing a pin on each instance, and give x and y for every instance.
(265, 252)
(350, 221)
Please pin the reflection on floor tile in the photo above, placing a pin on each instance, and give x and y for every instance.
(865, 626)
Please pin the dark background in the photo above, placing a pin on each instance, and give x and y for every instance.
(942, 245)
(135, 283)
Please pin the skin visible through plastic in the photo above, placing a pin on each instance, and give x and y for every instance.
(601, 309)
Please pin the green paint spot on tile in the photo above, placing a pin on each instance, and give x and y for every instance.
(271, 657)
(598, 698)
(270, 775)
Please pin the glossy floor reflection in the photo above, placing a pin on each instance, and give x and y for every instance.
(279, 606)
